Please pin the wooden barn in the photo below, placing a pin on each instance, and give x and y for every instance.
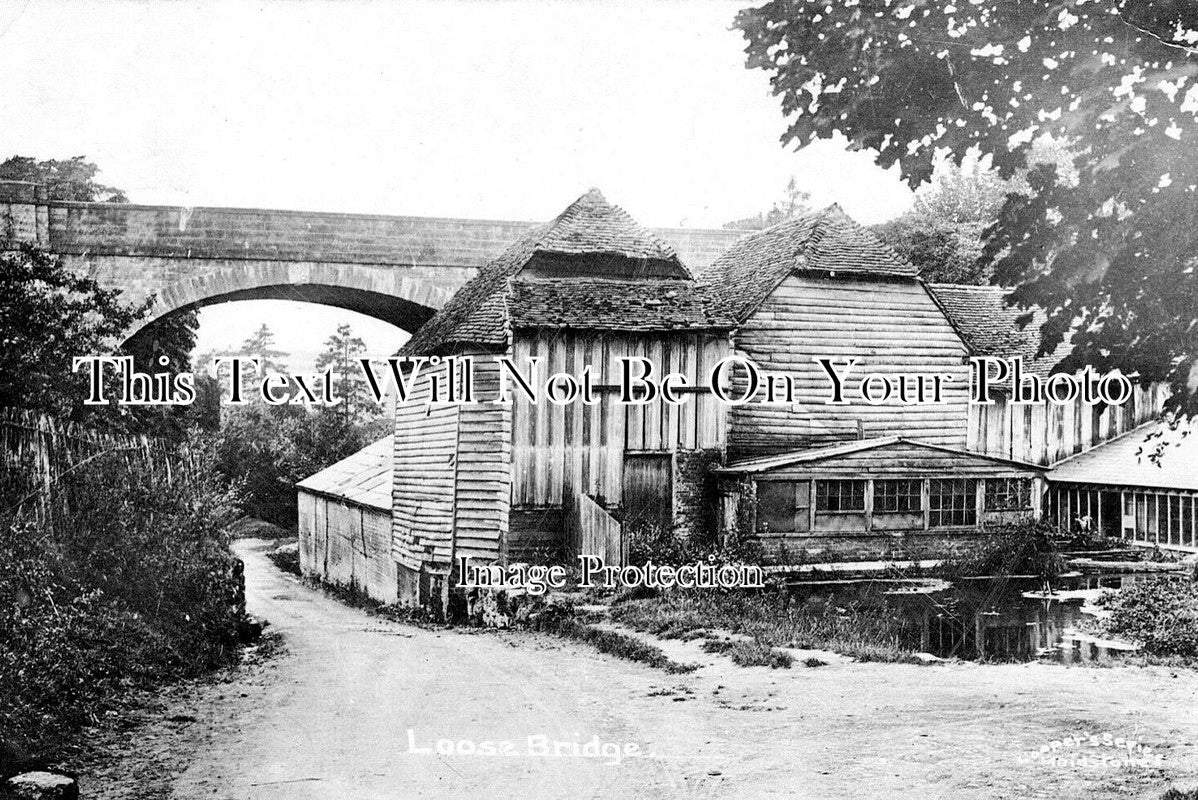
(522, 481)
(887, 498)
(345, 522)
(823, 286)
(1046, 432)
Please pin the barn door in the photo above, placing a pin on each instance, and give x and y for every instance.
(648, 493)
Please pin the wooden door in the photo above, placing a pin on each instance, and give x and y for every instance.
(648, 492)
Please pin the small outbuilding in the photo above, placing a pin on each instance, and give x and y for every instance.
(345, 522)
(874, 499)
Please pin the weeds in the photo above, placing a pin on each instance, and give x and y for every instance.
(1161, 614)
(772, 620)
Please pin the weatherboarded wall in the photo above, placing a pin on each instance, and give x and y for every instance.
(1045, 433)
(888, 325)
(347, 545)
(557, 450)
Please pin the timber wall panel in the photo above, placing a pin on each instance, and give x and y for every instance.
(889, 326)
(425, 468)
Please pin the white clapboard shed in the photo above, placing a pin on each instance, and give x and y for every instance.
(345, 522)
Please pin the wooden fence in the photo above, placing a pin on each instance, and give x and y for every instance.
(38, 450)
(591, 530)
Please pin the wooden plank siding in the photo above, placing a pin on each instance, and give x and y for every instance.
(888, 325)
(902, 459)
(484, 483)
(426, 437)
(1045, 433)
(559, 450)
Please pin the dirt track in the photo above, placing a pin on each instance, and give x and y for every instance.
(331, 719)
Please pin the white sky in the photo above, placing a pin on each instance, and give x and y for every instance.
(503, 110)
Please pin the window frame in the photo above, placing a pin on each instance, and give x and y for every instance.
(1014, 486)
(913, 492)
(967, 509)
(823, 496)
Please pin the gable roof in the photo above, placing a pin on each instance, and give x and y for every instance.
(826, 241)
(590, 234)
(768, 463)
(1125, 460)
(991, 327)
(363, 478)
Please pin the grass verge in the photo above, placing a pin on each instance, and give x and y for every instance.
(772, 621)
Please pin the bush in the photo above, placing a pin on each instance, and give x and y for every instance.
(124, 580)
(1161, 614)
(1029, 548)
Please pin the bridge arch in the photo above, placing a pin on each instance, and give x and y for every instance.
(405, 298)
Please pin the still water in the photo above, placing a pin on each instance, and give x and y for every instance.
(991, 619)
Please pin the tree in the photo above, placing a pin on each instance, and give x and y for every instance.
(795, 203)
(48, 316)
(341, 354)
(69, 179)
(943, 233)
(1113, 80)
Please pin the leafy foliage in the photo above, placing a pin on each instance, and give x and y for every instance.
(341, 354)
(48, 316)
(1161, 614)
(267, 450)
(127, 581)
(66, 179)
(1113, 80)
(942, 235)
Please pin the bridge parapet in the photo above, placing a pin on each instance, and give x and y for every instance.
(396, 268)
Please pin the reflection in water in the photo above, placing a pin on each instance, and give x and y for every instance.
(992, 619)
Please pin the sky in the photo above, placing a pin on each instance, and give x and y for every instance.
(500, 110)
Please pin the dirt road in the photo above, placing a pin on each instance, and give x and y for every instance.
(338, 715)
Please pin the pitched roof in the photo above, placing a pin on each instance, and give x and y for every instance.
(617, 306)
(592, 225)
(363, 478)
(573, 266)
(1128, 460)
(768, 463)
(991, 327)
(826, 241)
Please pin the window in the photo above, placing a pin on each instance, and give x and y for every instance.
(837, 497)
(1008, 494)
(898, 497)
(952, 501)
(775, 507)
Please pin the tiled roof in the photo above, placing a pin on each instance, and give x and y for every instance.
(1126, 460)
(591, 232)
(991, 327)
(592, 225)
(363, 478)
(657, 305)
(827, 241)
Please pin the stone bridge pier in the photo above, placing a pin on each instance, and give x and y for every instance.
(393, 268)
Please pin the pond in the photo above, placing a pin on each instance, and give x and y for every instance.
(1017, 618)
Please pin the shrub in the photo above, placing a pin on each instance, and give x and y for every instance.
(1028, 548)
(124, 579)
(1160, 613)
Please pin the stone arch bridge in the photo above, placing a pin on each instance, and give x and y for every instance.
(397, 269)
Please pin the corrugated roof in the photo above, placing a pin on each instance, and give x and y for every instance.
(767, 463)
(363, 478)
(590, 234)
(1154, 455)
(826, 241)
(991, 327)
(658, 305)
